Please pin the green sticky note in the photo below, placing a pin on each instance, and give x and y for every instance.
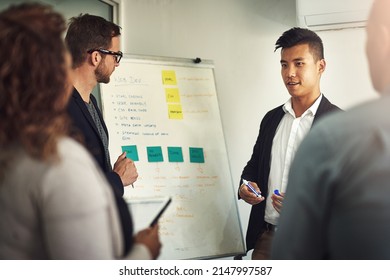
(196, 155)
(175, 154)
(131, 152)
(154, 154)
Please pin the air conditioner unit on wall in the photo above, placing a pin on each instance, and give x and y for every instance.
(332, 14)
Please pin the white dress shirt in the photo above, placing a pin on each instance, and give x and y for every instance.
(288, 137)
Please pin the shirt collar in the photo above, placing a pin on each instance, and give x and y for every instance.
(287, 107)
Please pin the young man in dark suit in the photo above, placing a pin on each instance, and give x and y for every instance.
(94, 44)
(281, 131)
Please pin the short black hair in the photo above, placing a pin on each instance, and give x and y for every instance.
(297, 36)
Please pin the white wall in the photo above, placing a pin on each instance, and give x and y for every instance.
(239, 36)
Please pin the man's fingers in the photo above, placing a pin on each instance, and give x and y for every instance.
(122, 156)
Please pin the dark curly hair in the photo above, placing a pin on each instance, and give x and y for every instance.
(34, 89)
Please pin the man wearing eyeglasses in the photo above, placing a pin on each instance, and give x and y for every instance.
(94, 44)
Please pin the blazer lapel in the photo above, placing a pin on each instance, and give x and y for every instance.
(324, 108)
(80, 102)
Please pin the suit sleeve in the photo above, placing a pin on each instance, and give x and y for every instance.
(257, 168)
(251, 169)
(115, 182)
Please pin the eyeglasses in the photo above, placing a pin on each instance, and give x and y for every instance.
(117, 55)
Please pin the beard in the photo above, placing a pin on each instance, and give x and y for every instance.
(101, 73)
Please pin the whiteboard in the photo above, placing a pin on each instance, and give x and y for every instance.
(164, 113)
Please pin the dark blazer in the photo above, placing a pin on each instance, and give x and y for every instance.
(258, 167)
(83, 126)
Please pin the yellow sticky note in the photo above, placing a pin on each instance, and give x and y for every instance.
(175, 111)
(169, 77)
(172, 95)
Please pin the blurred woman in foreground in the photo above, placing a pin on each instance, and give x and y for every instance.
(54, 201)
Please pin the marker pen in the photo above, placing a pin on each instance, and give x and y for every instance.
(246, 183)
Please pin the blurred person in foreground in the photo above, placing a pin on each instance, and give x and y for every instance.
(55, 203)
(337, 204)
